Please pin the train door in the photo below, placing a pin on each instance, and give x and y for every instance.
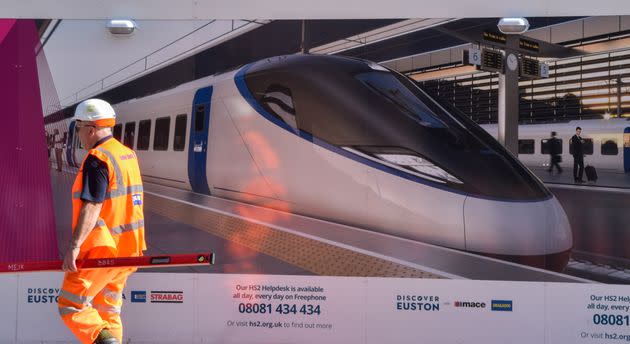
(198, 143)
(626, 149)
(72, 162)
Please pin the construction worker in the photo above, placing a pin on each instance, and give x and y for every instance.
(107, 222)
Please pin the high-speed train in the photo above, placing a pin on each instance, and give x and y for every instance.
(606, 143)
(349, 141)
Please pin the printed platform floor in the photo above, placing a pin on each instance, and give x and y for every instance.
(240, 246)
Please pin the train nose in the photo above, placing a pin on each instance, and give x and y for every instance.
(535, 233)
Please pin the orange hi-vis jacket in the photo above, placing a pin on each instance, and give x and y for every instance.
(120, 226)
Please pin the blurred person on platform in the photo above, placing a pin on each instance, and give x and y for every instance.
(555, 147)
(58, 143)
(577, 145)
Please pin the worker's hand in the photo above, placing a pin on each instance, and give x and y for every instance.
(69, 260)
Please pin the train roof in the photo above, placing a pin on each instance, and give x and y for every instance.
(183, 88)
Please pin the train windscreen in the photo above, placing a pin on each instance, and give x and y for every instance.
(383, 116)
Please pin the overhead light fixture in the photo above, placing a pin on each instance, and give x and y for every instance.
(513, 26)
(121, 26)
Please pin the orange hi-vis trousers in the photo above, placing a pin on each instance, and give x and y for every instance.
(91, 300)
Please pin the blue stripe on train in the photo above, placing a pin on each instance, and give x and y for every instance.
(198, 143)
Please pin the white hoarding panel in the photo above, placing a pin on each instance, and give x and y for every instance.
(442, 311)
(222, 308)
(37, 315)
(281, 309)
(587, 313)
(8, 307)
(159, 307)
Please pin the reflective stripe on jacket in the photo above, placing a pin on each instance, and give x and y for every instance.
(120, 225)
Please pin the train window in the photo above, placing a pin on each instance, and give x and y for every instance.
(545, 149)
(388, 87)
(161, 135)
(279, 102)
(544, 146)
(609, 147)
(130, 134)
(525, 146)
(144, 134)
(587, 146)
(118, 131)
(200, 115)
(179, 143)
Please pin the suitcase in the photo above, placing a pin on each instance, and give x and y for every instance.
(591, 173)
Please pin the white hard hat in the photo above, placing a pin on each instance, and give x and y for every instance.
(97, 111)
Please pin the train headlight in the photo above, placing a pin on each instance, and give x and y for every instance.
(419, 164)
(405, 160)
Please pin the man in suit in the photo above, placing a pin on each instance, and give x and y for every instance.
(554, 153)
(577, 143)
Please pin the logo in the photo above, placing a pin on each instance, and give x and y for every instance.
(128, 156)
(15, 267)
(42, 295)
(469, 304)
(137, 199)
(138, 296)
(417, 303)
(502, 305)
(167, 296)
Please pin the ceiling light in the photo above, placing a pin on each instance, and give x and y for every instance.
(513, 25)
(121, 26)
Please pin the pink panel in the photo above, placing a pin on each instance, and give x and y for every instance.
(5, 27)
(27, 223)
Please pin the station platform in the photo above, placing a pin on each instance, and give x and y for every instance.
(606, 178)
(253, 239)
(165, 235)
(241, 245)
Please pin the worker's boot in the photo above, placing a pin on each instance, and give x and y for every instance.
(105, 337)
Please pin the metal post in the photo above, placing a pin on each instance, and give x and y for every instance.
(618, 96)
(508, 111)
(304, 46)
